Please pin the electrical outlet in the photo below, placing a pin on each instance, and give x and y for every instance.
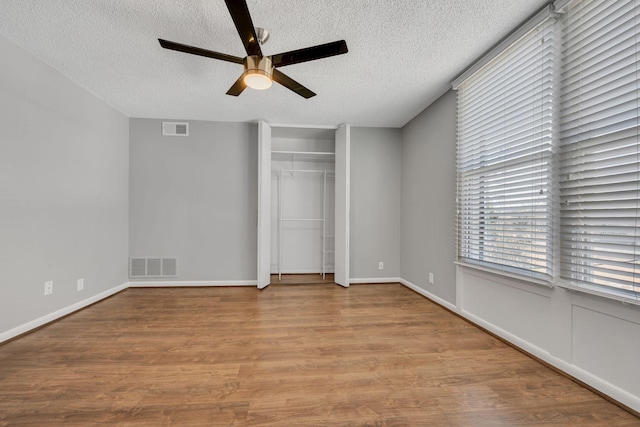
(80, 284)
(48, 287)
(381, 265)
(431, 278)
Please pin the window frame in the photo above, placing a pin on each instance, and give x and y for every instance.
(557, 256)
(486, 241)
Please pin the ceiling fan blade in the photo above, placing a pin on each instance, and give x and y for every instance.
(198, 51)
(237, 87)
(242, 19)
(291, 84)
(310, 53)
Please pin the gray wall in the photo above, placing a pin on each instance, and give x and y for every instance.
(63, 190)
(195, 198)
(375, 202)
(429, 198)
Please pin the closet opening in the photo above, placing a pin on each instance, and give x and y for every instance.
(302, 205)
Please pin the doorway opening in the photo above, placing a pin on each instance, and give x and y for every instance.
(302, 205)
(319, 155)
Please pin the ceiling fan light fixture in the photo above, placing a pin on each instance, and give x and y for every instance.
(257, 80)
(258, 72)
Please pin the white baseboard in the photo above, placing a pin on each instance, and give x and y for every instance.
(26, 327)
(375, 280)
(597, 383)
(192, 283)
(429, 295)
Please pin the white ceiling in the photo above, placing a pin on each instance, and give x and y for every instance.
(402, 56)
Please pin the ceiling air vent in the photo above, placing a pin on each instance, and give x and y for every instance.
(175, 129)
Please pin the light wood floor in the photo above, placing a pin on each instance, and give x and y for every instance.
(308, 355)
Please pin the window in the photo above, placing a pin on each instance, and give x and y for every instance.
(504, 158)
(599, 146)
(511, 160)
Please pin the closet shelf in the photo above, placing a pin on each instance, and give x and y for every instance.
(302, 155)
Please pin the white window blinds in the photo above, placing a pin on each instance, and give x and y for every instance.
(599, 146)
(504, 158)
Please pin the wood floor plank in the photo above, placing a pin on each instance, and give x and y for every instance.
(304, 355)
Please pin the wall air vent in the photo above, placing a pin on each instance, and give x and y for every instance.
(175, 129)
(153, 267)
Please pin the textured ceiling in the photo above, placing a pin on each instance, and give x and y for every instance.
(402, 56)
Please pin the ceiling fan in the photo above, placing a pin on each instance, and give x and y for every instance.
(260, 70)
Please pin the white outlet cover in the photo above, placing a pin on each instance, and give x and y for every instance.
(380, 265)
(431, 278)
(80, 284)
(48, 287)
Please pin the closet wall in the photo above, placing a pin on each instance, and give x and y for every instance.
(302, 201)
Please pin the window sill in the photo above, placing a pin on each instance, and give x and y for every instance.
(599, 293)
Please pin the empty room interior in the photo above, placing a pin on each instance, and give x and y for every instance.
(294, 213)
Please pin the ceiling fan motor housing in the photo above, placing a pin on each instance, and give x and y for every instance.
(258, 72)
(255, 64)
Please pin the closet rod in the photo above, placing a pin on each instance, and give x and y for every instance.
(302, 171)
(303, 219)
(330, 175)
